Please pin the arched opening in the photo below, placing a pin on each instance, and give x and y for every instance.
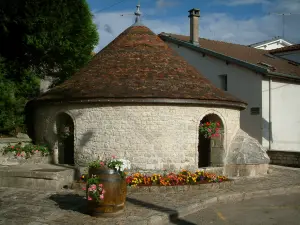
(65, 138)
(211, 137)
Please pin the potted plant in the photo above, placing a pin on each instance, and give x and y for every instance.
(106, 186)
(210, 129)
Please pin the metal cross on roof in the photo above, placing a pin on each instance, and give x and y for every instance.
(137, 13)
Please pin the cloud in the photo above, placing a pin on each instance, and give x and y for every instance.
(286, 6)
(217, 26)
(108, 29)
(166, 3)
(111, 24)
(242, 2)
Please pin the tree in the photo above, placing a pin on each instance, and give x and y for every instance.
(51, 37)
(13, 97)
(39, 38)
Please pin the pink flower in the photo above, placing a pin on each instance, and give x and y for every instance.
(90, 189)
(93, 187)
(36, 151)
(18, 154)
(100, 185)
(12, 146)
(89, 198)
(101, 197)
(113, 156)
(84, 188)
(103, 191)
(102, 163)
(209, 130)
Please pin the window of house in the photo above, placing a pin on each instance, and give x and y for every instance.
(223, 81)
(255, 111)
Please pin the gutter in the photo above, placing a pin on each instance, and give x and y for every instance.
(208, 102)
(270, 114)
(245, 64)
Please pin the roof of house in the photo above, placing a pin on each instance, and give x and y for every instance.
(268, 41)
(255, 59)
(286, 49)
(139, 67)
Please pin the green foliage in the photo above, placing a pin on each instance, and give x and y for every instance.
(13, 97)
(51, 37)
(210, 129)
(26, 151)
(96, 164)
(39, 38)
(95, 189)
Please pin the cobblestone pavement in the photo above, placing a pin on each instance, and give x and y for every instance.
(21, 206)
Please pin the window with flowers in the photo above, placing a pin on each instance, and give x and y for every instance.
(210, 129)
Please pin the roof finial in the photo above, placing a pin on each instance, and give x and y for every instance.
(137, 13)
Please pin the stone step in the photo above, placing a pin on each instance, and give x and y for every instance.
(40, 177)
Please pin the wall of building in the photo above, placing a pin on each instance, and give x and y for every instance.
(242, 83)
(273, 45)
(150, 136)
(285, 117)
(293, 55)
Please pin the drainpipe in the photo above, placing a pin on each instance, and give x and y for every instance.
(270, 113)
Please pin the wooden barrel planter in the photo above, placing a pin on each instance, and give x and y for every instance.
(115, 193)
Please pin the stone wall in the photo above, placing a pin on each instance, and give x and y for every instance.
(150, 136)
(285, 158)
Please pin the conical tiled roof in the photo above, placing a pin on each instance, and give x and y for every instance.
(139, 67)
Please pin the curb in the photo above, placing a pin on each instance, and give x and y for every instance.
(160, 219)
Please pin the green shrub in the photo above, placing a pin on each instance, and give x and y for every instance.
(26, 151)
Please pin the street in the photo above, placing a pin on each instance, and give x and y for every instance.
(273, 210)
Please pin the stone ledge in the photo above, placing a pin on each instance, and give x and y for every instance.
(179, 188)
(14, 140)
(246, 170)
(168, 189)
(49, 178)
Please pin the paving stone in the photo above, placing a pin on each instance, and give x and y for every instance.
(32, 207)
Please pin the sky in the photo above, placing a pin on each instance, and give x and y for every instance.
(236, 21)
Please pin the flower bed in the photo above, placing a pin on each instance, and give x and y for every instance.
(183, 178)
(26, 151)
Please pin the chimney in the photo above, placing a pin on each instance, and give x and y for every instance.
(194, 26)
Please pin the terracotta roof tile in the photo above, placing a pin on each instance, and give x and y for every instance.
(248, 54)
(138, 64)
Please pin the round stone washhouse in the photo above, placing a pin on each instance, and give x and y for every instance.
(139, 100)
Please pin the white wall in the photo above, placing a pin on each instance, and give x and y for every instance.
(150, 136)
(270, 46)
(242, 83)
(273, 45)
(285, 115)
(292, 55)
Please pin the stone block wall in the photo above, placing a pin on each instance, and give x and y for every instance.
(285, 158)
(150, 136)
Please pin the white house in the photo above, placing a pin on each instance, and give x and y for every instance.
(274, 43)
(269, 84)
(291, 53)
